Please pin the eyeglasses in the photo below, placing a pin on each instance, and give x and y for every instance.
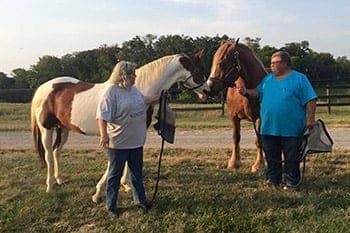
(276, 62)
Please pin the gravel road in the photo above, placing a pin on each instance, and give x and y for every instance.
(183, 139)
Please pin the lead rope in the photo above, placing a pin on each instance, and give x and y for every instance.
(161, 115)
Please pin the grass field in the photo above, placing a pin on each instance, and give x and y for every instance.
(16, 117)
(196, 194)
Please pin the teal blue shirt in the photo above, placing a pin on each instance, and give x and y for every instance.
(283, 104)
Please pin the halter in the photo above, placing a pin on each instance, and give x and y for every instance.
(235, 67)
(186, 87)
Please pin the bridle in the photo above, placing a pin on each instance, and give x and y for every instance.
(228, 80)
(186, 86)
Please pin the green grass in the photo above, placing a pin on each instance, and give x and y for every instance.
(196, 194)
(16, 117)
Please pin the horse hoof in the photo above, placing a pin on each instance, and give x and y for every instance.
(62, 184)
(254, 169)
(96, 199)
(127, 188)
(230, 165)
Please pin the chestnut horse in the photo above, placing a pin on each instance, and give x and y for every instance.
(235, 65)
(66, 104)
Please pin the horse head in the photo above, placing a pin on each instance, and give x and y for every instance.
(196, 79)
(231, 61)
(225, 68)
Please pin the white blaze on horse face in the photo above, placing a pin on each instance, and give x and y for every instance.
(84, 106)
(201, 91)
(213, 73)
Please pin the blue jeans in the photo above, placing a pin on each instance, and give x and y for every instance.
(117, 159)
(273, 147)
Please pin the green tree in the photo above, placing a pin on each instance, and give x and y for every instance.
(297, 49)
(47, 68)
(264, 54)
(83, 66)
(23, 78)
(6, 82)
(137, 51)
(342, 68)
(253, 43)
(106, 60)
(174, 44)
(209, 45)
(319, 67)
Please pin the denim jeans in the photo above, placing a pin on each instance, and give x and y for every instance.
(117, 158)
(273, 147)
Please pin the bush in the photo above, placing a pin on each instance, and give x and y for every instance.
(16, 95)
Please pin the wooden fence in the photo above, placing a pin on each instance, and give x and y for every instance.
(328, 100)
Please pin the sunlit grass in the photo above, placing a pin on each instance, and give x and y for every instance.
(196, 194)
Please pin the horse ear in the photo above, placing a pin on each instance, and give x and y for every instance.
(237, 40)
(200, 53)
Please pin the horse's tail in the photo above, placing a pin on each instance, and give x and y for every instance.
(36, 135)
(58, 137)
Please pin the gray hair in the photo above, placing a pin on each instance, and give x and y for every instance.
(122, 73)
(285, 57)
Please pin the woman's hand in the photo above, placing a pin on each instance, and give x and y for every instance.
(104, 141)
(242, 91)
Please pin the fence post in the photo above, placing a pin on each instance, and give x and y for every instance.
(222, 104)
(328, 93)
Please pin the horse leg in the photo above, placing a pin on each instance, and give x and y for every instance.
(57, 155)
(125, 181)
(235, 160)
(101, 184)
(46, 139)
(259, 161)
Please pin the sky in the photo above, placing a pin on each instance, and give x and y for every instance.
(31, 29)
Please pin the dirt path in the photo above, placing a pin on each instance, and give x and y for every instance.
(183, 139)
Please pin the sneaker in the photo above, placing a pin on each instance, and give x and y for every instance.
(291, 187)
(269, 183)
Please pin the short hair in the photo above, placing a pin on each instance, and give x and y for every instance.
(122, 73)
(285, 57)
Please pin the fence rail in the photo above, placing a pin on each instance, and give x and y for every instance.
(327, 100)
(342, 99)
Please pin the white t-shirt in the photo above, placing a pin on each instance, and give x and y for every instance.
(124, 110)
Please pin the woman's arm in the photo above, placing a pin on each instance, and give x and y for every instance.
(154, 98)
(104, 139)
(249, 93)
(151, 99)
(310, 111)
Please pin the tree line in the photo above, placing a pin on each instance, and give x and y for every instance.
(96, 65)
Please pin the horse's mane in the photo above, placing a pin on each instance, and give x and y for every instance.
(249, 52)
(152, 71)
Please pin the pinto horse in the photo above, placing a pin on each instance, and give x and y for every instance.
(234, 65)
(66, 104)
